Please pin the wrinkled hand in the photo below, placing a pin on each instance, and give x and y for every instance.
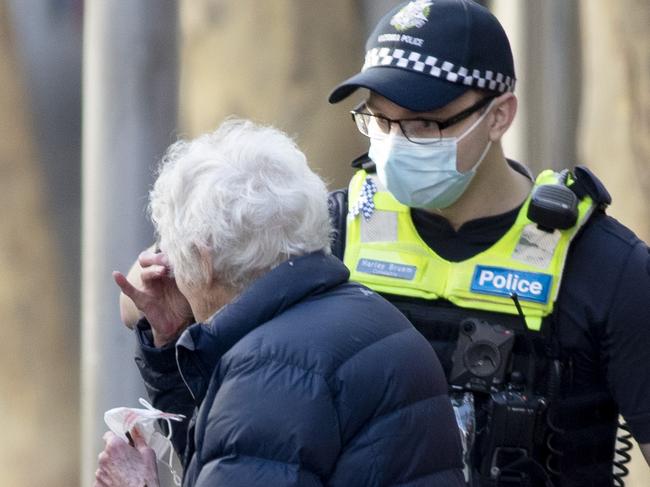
(157, 297)
(123, 465)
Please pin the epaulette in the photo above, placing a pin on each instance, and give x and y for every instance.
(586, 183)
(364, 162)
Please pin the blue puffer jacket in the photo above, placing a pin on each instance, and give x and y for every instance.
(307, 379)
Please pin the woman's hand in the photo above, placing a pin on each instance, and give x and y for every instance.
(154, 292)
(123, 465)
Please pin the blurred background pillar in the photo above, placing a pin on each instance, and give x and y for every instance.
(129, 118)
(38, 351)
(546, 44)
(615, 118)
(48, 38)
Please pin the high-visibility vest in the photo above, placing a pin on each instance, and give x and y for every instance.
(384, 252)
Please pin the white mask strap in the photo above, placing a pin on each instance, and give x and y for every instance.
(478, 120)
(480, 159)
(472, 127)
(170, 460)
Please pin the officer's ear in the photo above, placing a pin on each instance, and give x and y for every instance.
(501, 115)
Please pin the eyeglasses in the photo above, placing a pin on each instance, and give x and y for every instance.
(417, 130)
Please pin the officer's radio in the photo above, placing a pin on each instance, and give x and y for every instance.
(554, 206)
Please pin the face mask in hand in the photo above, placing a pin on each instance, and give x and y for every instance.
(423, 175)
(122, 420)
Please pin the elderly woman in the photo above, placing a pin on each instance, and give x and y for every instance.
(298, 376)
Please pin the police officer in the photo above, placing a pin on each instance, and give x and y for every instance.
(536, 301)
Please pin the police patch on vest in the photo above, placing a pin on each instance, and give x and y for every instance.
(529, 286)
(389, 269)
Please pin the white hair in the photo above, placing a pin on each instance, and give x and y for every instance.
(243, 193)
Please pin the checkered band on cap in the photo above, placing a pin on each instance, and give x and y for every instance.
(444, 70)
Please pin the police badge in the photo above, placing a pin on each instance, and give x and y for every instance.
(415, 14)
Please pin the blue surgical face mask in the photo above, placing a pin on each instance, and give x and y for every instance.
(423, 175)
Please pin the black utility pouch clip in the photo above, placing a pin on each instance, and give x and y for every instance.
(586, 183)
(509, 477)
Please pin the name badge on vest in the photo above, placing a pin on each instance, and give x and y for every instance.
(388, 269)
(529, 286)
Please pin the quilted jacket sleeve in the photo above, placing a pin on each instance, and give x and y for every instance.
(163, 382)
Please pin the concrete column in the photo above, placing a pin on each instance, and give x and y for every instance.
(510, 14)
(552, 82)
(545, 39)
(129, 118)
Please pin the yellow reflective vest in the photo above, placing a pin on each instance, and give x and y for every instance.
(384, 252)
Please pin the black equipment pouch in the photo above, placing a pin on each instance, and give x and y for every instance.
(514, 429)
